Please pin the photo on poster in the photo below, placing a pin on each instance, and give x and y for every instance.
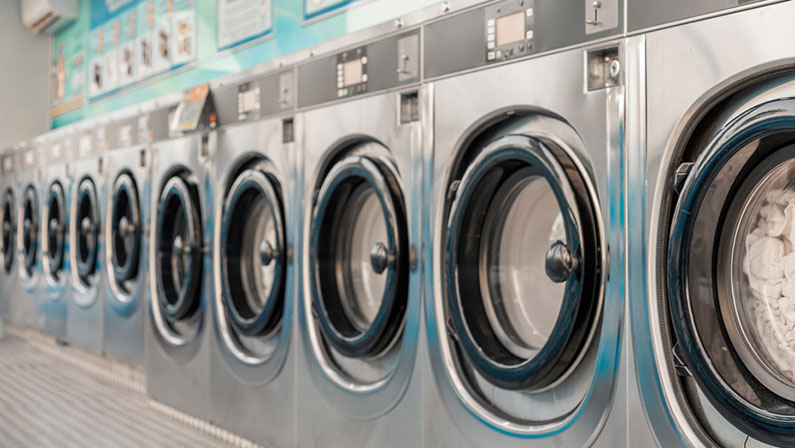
(111, 70)
(127, 63)
(97, 75)
(144, 55)
(77, 75)
(162, 47)
(183, 37)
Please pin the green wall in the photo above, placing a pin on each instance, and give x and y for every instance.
(289, 34)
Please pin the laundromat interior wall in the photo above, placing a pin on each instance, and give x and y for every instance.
(291, 29)
(23, 78)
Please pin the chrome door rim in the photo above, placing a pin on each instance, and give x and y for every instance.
(86, 229)
(764, 120)
(8, 223)
(187, 300)
(54, 256)
(265, 320)
(125, 185)
(388, 321)
(577, 315)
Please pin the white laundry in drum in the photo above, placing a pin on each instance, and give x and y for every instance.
(769, 265)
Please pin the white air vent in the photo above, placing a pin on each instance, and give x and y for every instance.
(47, 15)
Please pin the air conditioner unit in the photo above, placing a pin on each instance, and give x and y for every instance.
(47, 15)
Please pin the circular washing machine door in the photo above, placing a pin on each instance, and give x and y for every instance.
(85, 236)
(29, 229)
(178, 259)
(125, 235)
(359, 258)
(253, 263)
(731, 272)
(521, 260)
(7, 250)
(54, 232)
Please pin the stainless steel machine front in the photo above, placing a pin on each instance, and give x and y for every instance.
(253, 186)
(24, 305)
(360, 303)
(710, 177)
(176, 335)
(9, 278)
(84, 314)
(127, 209)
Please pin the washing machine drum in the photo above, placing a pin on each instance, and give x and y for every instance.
(359, 257)
(86, 236)
(178, 246)
(8, 230)
(125, 221)
(731, 271)
(29, 228)
(253, 253)
(55, 229)
(522, 264)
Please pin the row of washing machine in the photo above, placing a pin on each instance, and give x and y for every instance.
(473, 229)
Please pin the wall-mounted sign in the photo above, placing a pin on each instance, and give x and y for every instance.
(314, 8)
(241, 21)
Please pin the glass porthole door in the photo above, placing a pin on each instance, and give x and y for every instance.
(126, 233)
(8, 230)
(86, 236)
(359, 257)
(54, 235)
(522, 269)
(28, 229)
(254, 255)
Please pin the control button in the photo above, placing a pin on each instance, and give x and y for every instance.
(344, 91)
(339, 84)
(490, 30)
(529, 34)
(529, 12)
(490, 37)
(364, 77)
(339, 67)
(364, 60)
(490, 22)
(499, 54)
(339, 92)
(490, 56)
(490, 45)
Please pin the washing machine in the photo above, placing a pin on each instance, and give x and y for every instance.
(252, 363)
(126, 242)
(524, 298)
(84, 310)
(9, 279)
(54, 188)
(23, 308)
(176, 342)
(359, 308)
(711, 179)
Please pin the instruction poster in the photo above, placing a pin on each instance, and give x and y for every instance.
(242, 21)
(133, 40)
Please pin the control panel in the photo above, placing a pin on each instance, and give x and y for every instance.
(352, 72)
(248, 101)
(509, 30)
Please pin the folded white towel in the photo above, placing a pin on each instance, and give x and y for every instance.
(765, 258)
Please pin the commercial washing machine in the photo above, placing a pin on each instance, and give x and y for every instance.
(524, 294)
(711, 177)
(84, 312)
(359, 308)
(175, 335)
(54, 185)
(9, 278)
(23, 307)
(252, 364)
(127, 212)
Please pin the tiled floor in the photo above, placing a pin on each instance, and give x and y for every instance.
(53, 396)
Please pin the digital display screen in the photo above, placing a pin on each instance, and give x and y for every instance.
(352, 72)
(510, 28)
